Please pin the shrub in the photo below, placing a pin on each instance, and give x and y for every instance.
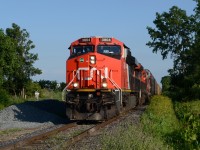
(31, 87)
(50, 94)
(1, 106)
(189, 115)
(4, 98)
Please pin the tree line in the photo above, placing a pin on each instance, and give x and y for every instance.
(17, 64)
(177, 35)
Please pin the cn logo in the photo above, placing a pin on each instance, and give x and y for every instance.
(91, 73)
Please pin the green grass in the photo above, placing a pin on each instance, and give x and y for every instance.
(131, 137)
(9, 131)
(159, 119)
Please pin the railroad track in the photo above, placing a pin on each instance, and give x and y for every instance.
(41, 141)
(30, 140)
(90, 131)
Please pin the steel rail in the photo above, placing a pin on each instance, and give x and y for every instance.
(30, 140)
(92, 130)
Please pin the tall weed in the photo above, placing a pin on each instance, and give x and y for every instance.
(159, 118)
(50, 94)
(189, 115)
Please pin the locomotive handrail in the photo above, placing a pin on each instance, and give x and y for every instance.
(118, 88)
(64, 90)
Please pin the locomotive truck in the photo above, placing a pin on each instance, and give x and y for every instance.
(103, 79)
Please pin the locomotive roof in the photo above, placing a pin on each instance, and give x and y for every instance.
(100, 37)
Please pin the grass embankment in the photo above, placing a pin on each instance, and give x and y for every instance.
(159, 119)
(129, 136)
(164, 125)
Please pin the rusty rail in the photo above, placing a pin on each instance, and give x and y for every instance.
(31, 140)
(88, 132)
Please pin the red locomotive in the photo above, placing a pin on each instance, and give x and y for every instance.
(103, 79)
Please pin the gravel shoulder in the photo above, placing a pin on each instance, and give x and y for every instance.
(32, 115)
(21, 120)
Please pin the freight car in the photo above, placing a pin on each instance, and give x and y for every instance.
(103, 79)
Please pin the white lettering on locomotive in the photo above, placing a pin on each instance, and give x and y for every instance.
(91, 73)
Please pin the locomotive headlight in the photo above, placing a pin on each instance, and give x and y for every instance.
(104, 85)
(92, 59)
(75, 85)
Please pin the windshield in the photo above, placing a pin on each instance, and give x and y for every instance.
(109, 50)
(82, 49)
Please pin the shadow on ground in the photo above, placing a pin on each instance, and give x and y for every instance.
(42, 111)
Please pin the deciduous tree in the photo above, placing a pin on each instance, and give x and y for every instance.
(177, 34)
(20, 59)
(7, 57)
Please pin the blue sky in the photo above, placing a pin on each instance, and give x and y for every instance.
(54, 24)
